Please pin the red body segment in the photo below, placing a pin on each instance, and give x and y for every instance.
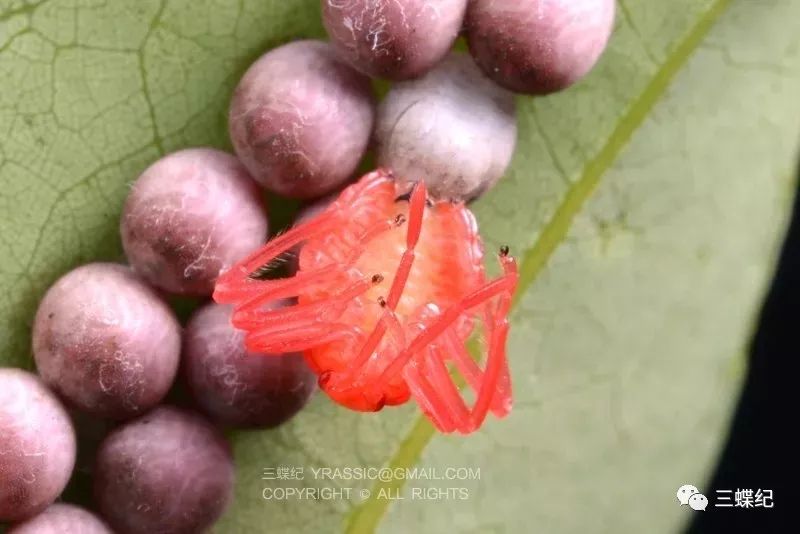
(389, 289)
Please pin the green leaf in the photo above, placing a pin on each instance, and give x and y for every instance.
(645, 205)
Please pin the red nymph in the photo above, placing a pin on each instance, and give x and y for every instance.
(390, 287)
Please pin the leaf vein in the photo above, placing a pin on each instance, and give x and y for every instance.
(367, 516)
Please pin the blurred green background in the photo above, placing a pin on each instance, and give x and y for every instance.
(645, 205)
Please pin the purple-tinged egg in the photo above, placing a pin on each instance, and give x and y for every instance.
(393, 39)
(168, 471)
(106, 342)
(235, 387)
(189, 216)
(37, 445)
(452, 128)
(300, 119)
(538, 46)
(60, 518)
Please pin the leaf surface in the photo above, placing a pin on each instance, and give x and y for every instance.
(645, 205)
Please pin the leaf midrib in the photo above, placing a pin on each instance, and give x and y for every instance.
(368, 515)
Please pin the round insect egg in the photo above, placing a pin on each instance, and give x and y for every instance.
(452, 128)
(394, 39)
(60, 518)
(37, 446)
(300, 119)
(189, 216)
(169, 471)
(538, 46)
(235, 387)
(106, 342)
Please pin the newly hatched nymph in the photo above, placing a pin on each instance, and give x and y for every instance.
(390, 286)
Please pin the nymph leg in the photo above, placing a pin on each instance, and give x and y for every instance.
(299, 337)
(243, 270)
(496, 363)
(416, 212)
(246, 292)
(503, 288)
(468, 368)
(451, 398)
(393, 323)
(255, 293)
(324, 310)
(427, 398)
(292, 326)
(395, 329)
(454, 349)
(266, 333)
(504, 284)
